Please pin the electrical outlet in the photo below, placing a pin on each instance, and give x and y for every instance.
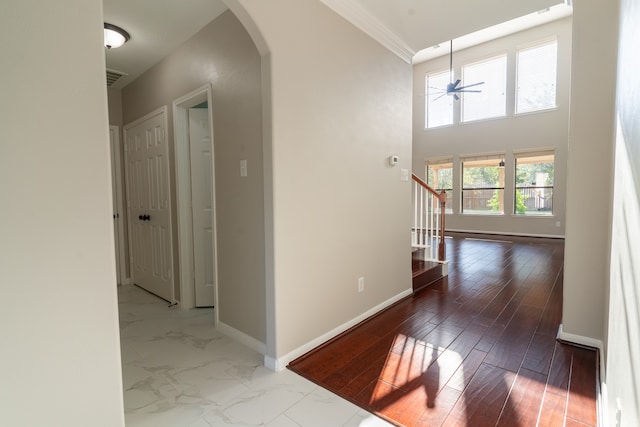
(557, 223)
(361, 284)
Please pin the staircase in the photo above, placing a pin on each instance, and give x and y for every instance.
(428, 258)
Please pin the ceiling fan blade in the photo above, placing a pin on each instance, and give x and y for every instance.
(471, 85)
(456, 97)
(457, 82)
(469, 91)
(435, 99)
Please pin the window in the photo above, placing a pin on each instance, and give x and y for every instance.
(491, 102)
(534, 183)
(438, 108)
(537, 69)
(483, 185)
(440, 177)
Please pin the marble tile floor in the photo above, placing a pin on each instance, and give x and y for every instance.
(178, 371)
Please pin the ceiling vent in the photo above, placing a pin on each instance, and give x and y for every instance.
(113, 76)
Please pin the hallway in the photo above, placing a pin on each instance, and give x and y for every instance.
(178, 371)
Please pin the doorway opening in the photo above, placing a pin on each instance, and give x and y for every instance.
(195, 184)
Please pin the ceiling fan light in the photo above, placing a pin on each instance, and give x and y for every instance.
(114, 36)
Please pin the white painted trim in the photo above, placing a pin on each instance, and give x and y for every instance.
(242, 338)
(602, 383)
(116, 170)
(369, 24)
(183, 188)
(506, 233)
(579, 339)
(282, 362)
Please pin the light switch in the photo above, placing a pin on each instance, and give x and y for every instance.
(404, 174)
(243, 168)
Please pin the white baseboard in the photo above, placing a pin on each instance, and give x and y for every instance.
(281, 363)
(602, 386)
(508, 233)
(242, 338)
(579, 339)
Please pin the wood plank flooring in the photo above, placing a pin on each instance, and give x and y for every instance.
(476, 348)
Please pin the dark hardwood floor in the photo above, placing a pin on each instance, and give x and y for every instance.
(476, 348)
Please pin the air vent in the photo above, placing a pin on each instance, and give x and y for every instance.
(113, 76)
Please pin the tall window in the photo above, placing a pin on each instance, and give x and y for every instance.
(534, 183)
(491, 102)
(536, 76)
(438, 106)
(440, 177)
(483, 185)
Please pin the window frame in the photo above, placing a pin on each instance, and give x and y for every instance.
(518, 187)
(442, 161)
(428, 102)
(490, 158)
(501, 55)
(528, 47)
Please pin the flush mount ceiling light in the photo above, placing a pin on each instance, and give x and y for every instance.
(114, 36)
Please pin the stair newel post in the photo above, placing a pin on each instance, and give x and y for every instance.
(441, 246)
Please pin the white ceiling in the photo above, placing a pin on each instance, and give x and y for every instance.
(156, 27)
(404, 26)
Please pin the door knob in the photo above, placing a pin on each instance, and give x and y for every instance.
(146, 218)
(140, 217)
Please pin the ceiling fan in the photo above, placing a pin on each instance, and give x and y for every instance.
(453, 88)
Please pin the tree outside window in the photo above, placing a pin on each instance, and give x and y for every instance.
(440, 177)
(483, 185)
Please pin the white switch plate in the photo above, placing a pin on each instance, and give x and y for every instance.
(404, 174)
(243, 168)
(361, 284)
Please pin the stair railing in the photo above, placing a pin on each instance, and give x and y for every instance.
(428, 220)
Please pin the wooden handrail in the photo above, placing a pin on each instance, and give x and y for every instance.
(424, 185)
(442, 197)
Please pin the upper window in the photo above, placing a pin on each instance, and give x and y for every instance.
(534, 183)
(483, 185)
(438, 106)
(440, 178)
(491, 101)
(536, 75)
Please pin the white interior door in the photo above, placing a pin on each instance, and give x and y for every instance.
(118, 212)
(202, 205)
(149, 205)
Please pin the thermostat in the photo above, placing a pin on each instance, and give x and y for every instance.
(393, 160)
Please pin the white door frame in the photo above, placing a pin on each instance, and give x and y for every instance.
(116, 173)
(183, 188)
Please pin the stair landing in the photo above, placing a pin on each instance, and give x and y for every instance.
(424, 272)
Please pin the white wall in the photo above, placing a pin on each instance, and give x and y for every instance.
(622, 326)
(590, 162)
(60, 352)
(340, 105)
(500, 135)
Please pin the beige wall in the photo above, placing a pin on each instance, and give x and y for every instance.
(622, 327)
(500, 135)
(590, 161)
(340, 106)
(222, 53)
(115, 107)
(60, 341)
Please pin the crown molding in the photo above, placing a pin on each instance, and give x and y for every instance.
(369, 24)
